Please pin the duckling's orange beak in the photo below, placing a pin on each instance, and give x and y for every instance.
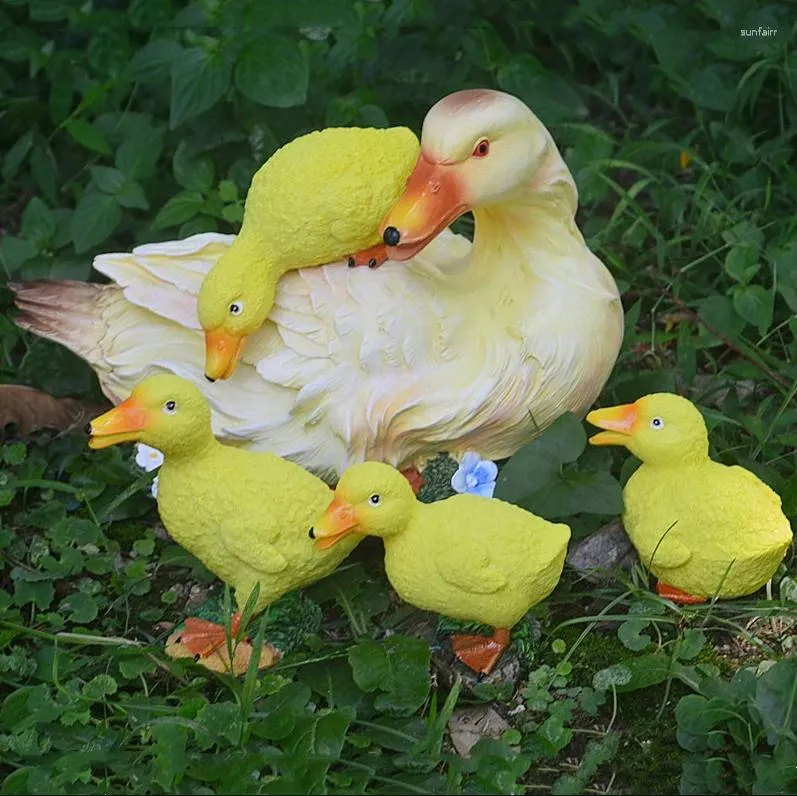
(338, 520)
(432, 199)
(222, 351)
(124, 423)
(618, 421)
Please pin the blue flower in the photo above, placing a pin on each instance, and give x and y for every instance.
(475, 476)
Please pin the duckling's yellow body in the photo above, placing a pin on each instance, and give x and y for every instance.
(467, 557)
(702, 528)
(318, 199)
(245, 515)
(476, 559)
(728, 534)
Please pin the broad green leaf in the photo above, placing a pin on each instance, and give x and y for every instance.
(170, 753)
(741, 263)
(178, 209)
(38, 222)
(40, 593)
(82, 608)
(693, 641)
(573, 492)
(776, 697)
(95, 219)
(99, 687)
(228, 191)
(44, 168)
(193, 174)
(137, 156)
(756, 305)
(153, 63)
(398, 667)
(537, 464)
(274, 72)
(631, 635)
(199, 81)
(88, 136)
(784, 260)
(713, 87)
(696, 717)
(15, 156)
(16, 251)
(106, 179)
(719, 317)
(131, 194)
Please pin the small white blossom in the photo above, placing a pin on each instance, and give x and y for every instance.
(147, 458)
(153, 490)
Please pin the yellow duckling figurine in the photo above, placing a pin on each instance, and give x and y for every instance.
(467, 557)
(245, 515)
(701, 527)
(318, 199)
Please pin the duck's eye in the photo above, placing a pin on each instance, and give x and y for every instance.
(482, 149)
(170, 407)
(657, 423)
(375, 500)
(236, 308)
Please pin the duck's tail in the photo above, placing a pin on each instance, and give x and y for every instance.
(66, 312)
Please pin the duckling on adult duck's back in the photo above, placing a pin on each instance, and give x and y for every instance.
(467, 557)
(701, 527)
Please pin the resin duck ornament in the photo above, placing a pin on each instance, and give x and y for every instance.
(702, 528)
(467, 347)
(317, 199)
(466, 557)
(244, 515)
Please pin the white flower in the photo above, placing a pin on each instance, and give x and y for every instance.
(475, 476)
(147, 458)
(153, 490)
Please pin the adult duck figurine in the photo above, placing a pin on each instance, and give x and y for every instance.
(244, 515)
(702, 528)
(467, 557)
(466, 347)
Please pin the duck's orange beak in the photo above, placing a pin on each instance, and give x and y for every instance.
(338, 521)
(432, 199)
(123, 423)
(617, 420)
(222, 352)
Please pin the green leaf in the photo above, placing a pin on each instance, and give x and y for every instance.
(218, 722)
(82, 608)
(99, 687)
(273, 72)
(228, 191)
(741, 263)
(137, 156)
(697, 717)
(170, 753)
(153, 63)
(94, 220)
(132, 195)
(720, 318)
(44, 168)
(178, 209)
(199, 81)
(14, 453)
(631, 635)
(88, 136)
(106, 179)
(399, 667)
(40, 593)
(192, 174)
(756, 305)
(16, 251)
(38, 222)
(15, 156)
(692, 642)
(784, 261)
(776, 697)
(535, 465)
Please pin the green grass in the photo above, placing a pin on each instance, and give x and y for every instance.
(131, 122)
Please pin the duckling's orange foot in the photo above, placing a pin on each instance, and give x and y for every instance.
(413, 475)
(373, 257)
(481, 653)
(676, 595)
(203, 638)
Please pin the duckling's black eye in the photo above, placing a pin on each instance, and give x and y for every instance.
(170, 407)
(236, 308)
(657, 423)
(482, 149)
(375, 500)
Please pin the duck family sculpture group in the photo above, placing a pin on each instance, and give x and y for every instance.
(218, 343)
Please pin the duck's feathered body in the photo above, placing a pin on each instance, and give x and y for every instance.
(463, 347)
(471, 558)
(245, 516)
(706, 528)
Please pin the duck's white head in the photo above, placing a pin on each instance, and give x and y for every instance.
(478, 148)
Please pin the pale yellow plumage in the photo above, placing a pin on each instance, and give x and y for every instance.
(464, 347)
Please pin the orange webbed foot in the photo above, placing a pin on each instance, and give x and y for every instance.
(481, 653)
(413, 475)
(203, 638)
(676, 595)
(373, 257)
